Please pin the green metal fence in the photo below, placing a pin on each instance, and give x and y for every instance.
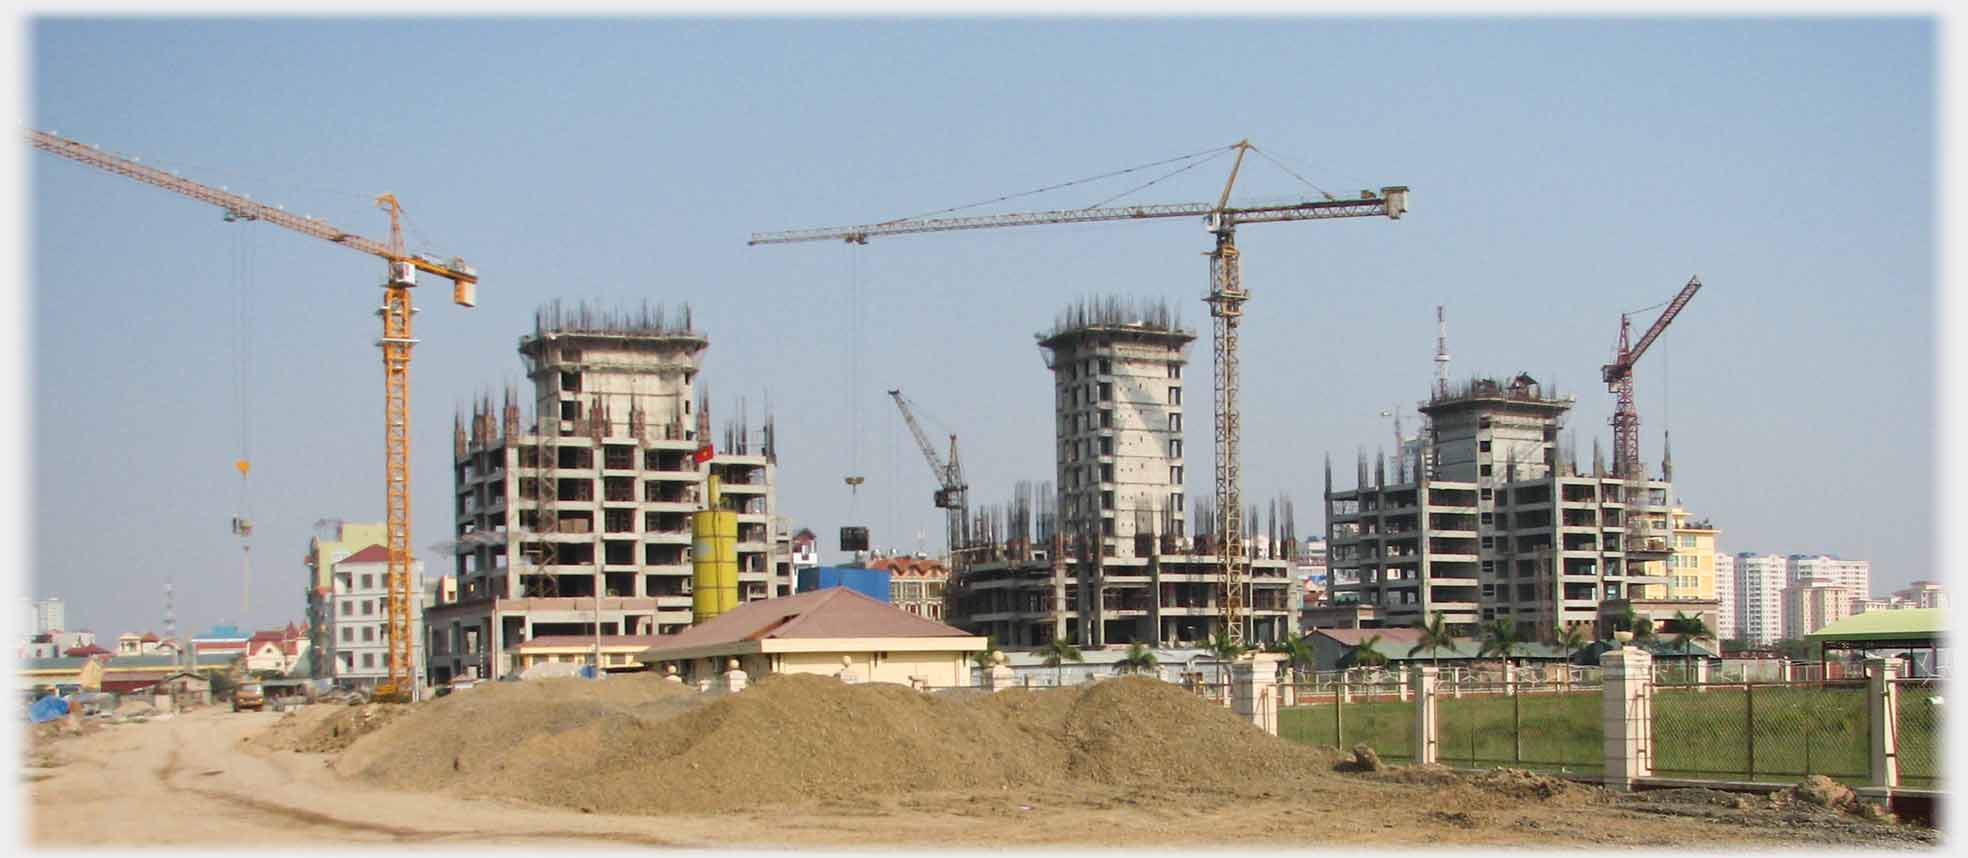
(1330, 715)
(1766, 732)
(1920, 732)
(1552, 728)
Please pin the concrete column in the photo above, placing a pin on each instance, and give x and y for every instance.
(734, 678)
(1422, 681)
(1627, 715)
(1701, 675)
(1254, 689)
(1509, 677)
(1883, 710)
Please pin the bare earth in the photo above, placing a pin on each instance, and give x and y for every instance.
(212, 777)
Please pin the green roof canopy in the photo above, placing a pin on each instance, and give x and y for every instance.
(1902, 625)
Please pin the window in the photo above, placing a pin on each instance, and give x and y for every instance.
(1106, 500)
(1175, 396)
(1106, 367)
(368, 607)
(1483, 446)
(1106, 419)
(1175, 475)
(1175, 503)
(368, 659)
(1106, 473)
(1106, 446)
(1175, 422)
(1485, 518)
(368, 634)
(368, 582)
(1175, 370)
(348, 634)
(1488, 542)
(348, 608)
(1483, 493)
(1106, 392)
(1175, 448)
(1483, 470)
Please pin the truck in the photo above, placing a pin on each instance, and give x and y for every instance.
(249, 696)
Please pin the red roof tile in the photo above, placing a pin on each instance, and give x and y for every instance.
(836, 612)
(372, 554)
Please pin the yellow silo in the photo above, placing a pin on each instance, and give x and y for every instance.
(714, 560)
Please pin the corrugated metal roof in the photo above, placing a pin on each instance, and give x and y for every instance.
(1904, 624)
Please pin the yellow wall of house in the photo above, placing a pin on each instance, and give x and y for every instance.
(938, 669)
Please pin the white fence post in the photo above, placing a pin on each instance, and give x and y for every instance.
(1254, 690)
(1422, 680)
(1626, 713)
(1883, 707)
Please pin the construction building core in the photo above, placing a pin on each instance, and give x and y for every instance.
(1118, 567)
(596, 497)
(1495, 523)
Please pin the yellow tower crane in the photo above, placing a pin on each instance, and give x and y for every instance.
(1226, 301)
(395, 343)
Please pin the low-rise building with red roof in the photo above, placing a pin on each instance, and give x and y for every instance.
(823, 632)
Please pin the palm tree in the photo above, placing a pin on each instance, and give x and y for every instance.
(1434, 636)
(1500, 637)
(1298, 654)
(1226, 651)
(1571, 639)
(1366, 653)
(1057, 652)
(987, 658)
(1688, 629)
(1140, 658)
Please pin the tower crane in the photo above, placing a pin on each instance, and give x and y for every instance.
(952, 493)
(1226, 299)
(396, 341)
(1618, 376)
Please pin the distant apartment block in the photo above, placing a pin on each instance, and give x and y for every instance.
(357, 654)
(1759, 585)
(1691, 571)
(1853, 575)
(333, 542)
(1810, 604)
(1726, 627)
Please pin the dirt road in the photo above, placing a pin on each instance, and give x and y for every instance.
(199, 779)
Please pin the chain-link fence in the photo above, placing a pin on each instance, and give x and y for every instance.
(1920, 732)
(1762, 731)
(1341, 711)
(1525, 725)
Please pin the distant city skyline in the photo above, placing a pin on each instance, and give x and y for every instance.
(1564, 171)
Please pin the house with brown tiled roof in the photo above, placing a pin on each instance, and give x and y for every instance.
(825, 632)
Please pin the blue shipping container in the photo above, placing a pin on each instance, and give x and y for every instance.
(872, 583)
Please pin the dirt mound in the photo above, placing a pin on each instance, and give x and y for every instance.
(646, 747)
(319, 732)
(1519, 783)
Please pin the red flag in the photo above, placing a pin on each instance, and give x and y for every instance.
(703, 454)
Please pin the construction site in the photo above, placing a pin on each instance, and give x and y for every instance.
(625, 648)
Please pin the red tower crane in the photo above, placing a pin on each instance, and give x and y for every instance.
(1619, 379)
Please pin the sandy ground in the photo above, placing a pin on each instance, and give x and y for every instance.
(200, 779)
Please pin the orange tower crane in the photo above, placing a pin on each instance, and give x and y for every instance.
(1226, 301)
(395, 343)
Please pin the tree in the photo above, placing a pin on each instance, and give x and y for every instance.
(1057, 652)
(1687, 630)
(1225, 650)
(1298, 654)
(1140, 658)
(1501, 638)
(1571, 639)
(1366, 653)
(987, 658)
(1434, 636)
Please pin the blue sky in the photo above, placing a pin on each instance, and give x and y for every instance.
(1563, 172)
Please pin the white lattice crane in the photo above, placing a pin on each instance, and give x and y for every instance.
(396, 342)
(1226, 301)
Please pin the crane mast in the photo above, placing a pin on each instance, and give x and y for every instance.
(1639, 544)
(1226, 299)
(396, 341)
(951, 492)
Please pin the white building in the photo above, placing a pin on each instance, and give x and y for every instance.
(1759, 585)
(358, 619)
(1725, 596)
(1853, 575)
(43, 616)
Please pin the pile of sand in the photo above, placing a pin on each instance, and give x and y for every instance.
(806, 738)
(329, 729)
